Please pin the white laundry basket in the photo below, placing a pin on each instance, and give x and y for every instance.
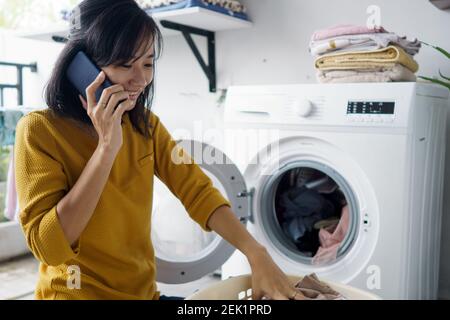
(239, 288)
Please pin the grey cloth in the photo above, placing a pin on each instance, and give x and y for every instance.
(363, 42)
(302, 209)
(322, 185)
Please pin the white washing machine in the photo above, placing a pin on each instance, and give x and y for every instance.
(382, 144)
(380, 148)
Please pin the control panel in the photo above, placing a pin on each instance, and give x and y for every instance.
(372, 105)
(370, 111)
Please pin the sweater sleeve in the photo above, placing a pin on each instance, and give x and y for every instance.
(185, 179)
(40, 183)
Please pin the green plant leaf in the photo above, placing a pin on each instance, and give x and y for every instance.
(442, 83)
(443, 51)
(446, 78)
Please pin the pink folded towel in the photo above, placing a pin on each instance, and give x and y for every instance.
(343, 29)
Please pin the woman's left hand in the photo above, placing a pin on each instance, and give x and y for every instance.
(268, 281)
(267, 278)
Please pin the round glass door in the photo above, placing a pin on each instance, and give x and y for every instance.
(175, 236)
(184, 251)
(310, 212)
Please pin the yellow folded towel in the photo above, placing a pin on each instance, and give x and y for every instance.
(387, 57)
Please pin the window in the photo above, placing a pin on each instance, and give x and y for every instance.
(5, 152)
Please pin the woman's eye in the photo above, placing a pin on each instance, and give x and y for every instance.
(147, 65)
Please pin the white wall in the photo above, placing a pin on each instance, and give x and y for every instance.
(273, 51)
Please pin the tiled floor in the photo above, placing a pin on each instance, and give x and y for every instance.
(18, 279)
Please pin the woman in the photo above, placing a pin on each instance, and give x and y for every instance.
(84, 170)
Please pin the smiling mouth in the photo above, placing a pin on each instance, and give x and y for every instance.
(134, 94)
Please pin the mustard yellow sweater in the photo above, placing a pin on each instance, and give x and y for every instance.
(114, 253)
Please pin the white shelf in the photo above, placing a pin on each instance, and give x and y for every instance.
(44, 35)
(200, 18)
(194, 17)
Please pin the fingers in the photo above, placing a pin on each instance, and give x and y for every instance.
(279, 293)
(292, 293)
(296, 295)
(108, 92)
(114, 101)
(92, 88)
(83, 102)
(108, 100)
(122, 107)
(279, 296)
(299, 296)
(257, 295)
(273, 296)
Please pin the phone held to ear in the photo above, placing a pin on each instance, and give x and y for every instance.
(82, 72)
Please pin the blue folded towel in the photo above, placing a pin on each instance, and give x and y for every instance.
(8, 123)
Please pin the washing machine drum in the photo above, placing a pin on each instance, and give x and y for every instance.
(308, 214)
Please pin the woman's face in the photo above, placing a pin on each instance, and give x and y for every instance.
(134, 75)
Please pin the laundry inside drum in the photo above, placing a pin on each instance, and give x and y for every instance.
(312, 216)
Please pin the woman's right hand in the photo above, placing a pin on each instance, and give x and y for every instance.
(105, 117)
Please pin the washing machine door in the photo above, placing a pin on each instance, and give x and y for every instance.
(184, 251)
(315, 210)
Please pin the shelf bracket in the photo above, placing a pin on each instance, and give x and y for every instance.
(187, 31)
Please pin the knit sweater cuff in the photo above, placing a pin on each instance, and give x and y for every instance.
(206, 205)
(55, 247)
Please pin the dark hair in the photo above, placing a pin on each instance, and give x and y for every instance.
(110, 32)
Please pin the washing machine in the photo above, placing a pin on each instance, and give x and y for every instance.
(382, 144)
(343, 180)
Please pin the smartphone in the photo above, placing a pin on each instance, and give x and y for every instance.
(82, 72)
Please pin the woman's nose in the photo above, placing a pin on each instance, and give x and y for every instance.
(140, 78)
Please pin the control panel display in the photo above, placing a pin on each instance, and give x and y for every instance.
(370, 107)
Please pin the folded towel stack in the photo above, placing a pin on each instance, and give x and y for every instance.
(348, 53)
(150, 4)
(232, 5)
